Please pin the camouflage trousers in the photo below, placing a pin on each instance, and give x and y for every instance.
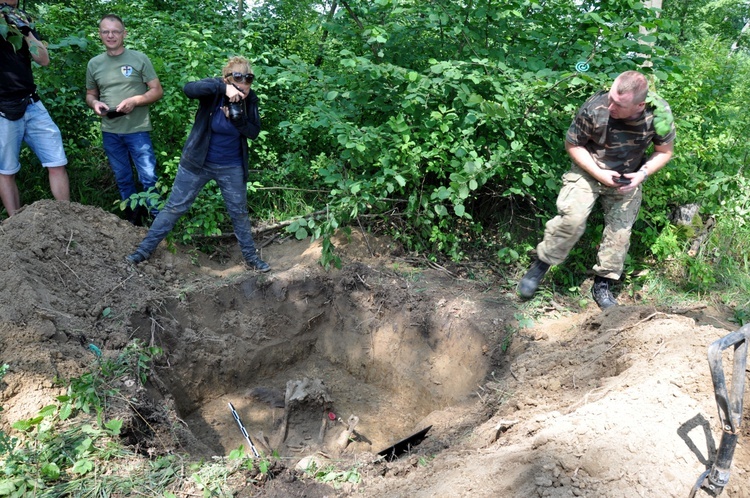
(574, 204)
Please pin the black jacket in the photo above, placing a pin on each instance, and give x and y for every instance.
(210, 93)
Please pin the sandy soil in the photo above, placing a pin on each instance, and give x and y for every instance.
(615, 404)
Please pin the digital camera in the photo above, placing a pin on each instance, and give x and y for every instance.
(17, 18)
(236, 110)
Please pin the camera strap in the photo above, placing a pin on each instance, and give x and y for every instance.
(238, 88)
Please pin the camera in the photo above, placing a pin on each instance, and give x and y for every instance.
(17, 18)
(236, 110)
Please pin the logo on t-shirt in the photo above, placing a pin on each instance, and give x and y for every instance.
(126, 71)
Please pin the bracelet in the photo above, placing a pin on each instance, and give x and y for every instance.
(645, 174)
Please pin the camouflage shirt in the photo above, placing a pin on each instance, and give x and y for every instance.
(615, 144)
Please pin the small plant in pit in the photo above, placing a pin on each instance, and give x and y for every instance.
(248, 462)
(741, 316)
(409, 273)
(6, 442)
(493, 392)
(91, 390)
(522, 322)
(211, 478)
(333, 476)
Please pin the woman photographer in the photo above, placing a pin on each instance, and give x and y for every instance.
(216, 149)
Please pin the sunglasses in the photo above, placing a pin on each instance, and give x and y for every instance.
(242, 78)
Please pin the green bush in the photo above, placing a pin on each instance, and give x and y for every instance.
(439, 123)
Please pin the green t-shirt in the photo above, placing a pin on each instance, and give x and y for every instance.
(117, 78)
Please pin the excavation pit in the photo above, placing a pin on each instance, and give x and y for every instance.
(386, 353)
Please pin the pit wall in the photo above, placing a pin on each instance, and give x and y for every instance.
(220, 340)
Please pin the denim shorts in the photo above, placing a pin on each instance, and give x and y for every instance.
(40, 133)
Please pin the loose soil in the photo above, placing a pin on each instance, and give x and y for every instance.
(336, 366)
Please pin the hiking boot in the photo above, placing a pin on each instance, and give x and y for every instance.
(530, 282)
(136, 258)
(601, 293)
(258, 264)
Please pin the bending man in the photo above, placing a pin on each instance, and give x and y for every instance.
(607, 142)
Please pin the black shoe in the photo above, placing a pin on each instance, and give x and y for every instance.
(601, 293)
(530, 282)
(258, 264)
(131, 215)
(136, 258)
(142, 217)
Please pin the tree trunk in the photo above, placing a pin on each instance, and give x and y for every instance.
(735, 44)
(656, 4)
(375, 46)
(319, 58)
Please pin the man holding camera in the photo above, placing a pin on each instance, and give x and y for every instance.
(23, 117)
(606, 142)
(120, 85)
(216, 149)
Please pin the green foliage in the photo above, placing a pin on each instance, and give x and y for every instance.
(51, 455)
(10, 30)
(54, 456)
(742, 316)
(425, 135)
(507, 255)
(154, 197)
(212, 478)
(722, 20)
(668, 243)
(435, 121)
(333, 476)
(429, 137)
(522, 322)
(90, 391)
(7, 443)
(64, 451)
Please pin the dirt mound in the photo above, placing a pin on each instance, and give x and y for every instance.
(615, 404)
(610, 404)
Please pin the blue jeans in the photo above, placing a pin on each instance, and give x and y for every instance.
(120, 149)
(187, 186)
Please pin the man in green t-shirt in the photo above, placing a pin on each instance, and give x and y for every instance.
(607, 144)
(120, 85)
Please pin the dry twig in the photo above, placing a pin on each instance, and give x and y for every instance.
(70, 241)
(74, 273)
